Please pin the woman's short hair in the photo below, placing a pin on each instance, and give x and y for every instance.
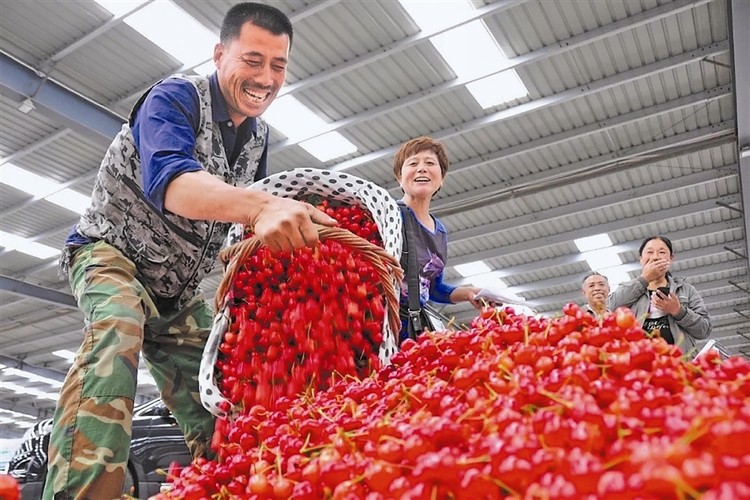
(418, 145)
(662, 238)
(258, 14)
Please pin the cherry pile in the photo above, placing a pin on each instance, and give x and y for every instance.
(516, 407)
(302, 317)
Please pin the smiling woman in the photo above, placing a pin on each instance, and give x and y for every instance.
(420, 167)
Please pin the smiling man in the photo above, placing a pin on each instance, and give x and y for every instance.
(170, 185)
(596, 290)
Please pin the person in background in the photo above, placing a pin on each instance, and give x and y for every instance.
(595, 288)
(169, 187)
(420, 167)
(668, 305)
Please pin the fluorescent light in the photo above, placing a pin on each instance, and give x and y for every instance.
(120, 7)
(472, 269)
(206, 68)
(32, 377)
(328, 146)
(42, 188)
(293, 119)
(65, 354)
(497, 89)
(593, 242)
(174, 31)
(602, 258)
(19, 244)
(470, 50)
(430, 15)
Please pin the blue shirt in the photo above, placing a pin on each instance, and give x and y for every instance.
(164, 125)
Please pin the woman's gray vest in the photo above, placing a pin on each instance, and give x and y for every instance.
(172, 254)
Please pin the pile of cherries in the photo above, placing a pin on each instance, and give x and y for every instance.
(515, 407)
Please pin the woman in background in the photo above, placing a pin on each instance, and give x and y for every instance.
(679, 316)
(420, 167)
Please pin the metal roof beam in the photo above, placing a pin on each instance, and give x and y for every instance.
(19, 287)
(35, 370)
(544, 102)
(597, 203)
(57, 102)
(618, 161)
(739, 20)
(49, 63)
(617, 225)
(588, 37)
(687, 101)
(632, 246)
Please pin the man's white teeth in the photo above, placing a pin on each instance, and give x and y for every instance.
(254, 96)
(421, 179)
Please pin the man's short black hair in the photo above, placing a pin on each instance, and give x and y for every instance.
(593, 273)
(258, 14)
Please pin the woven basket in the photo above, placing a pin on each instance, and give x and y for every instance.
(339, 187)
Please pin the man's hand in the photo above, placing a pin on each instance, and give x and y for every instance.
(284, 224)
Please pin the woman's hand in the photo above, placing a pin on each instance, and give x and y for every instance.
(669, 304)
(466, 294)
(655, 269)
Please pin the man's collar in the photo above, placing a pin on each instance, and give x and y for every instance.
(219, 111)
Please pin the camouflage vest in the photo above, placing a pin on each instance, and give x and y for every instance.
(172, 254)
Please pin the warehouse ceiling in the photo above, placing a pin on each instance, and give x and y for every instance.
(623, 123)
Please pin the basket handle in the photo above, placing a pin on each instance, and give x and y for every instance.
(386, 266)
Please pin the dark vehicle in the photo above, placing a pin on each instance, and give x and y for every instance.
(157, 441)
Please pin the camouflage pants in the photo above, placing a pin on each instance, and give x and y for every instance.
(90, 441)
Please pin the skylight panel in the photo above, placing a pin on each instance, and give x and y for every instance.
(42, 188)
(602, 259)
(174, 31)
(72, 200)
(488, 280)
(328, 146)
(120, 7)
(293, 119)
(19, 244)
(472, 269)
(497, 89)
(615, 276)
(593, 242)
(470, 50)
(430, 15)
(28, 182)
